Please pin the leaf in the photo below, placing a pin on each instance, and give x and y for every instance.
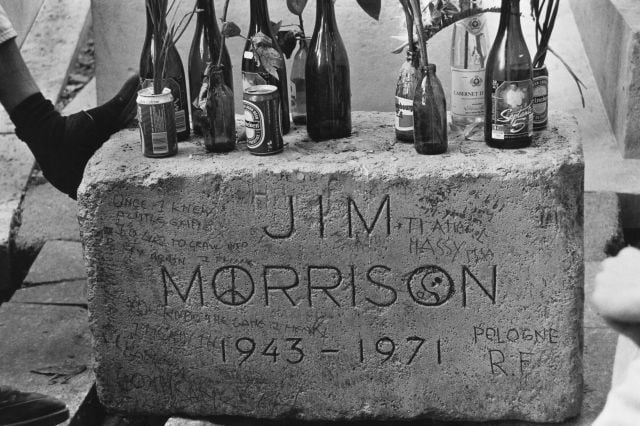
(270, 59)
(372, 7)
(230, 29)
(275, 27)
(261, 40)
(296, 6)
(287, 42)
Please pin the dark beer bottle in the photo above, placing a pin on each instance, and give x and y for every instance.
(509, 84)
(328, 80)
(254, 74)
(174, 77)
(201, 53)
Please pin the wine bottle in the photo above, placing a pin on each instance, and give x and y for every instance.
(509, 84)
(298, 89)
(408, 80)
(254, 74)
(202, 51)
(174, 77)
(328, 79)
(469, 51)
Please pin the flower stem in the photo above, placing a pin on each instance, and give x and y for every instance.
(224, 38)
(417, 20)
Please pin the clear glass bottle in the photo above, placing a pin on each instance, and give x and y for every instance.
(254, 74)
(328, 79)
(174, 79)
(220, 126)
(405, 92)
(430, 114)
(299, 84)
(469, 50)
(509, 84)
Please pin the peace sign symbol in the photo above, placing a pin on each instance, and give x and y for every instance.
(233, 288)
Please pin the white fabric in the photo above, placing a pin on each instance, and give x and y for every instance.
(6, 29)
(623, 403)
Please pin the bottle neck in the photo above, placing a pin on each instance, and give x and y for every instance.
(163, 21)
(510, 16)
(325, 14)
(429, 69)
(260, 21)
(216, 77)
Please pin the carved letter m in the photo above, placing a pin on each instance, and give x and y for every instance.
(167, 278)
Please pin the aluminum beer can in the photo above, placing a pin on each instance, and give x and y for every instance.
(263, 121)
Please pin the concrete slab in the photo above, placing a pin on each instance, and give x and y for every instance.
(46, 349)
(16, 163)
(350, 228)
(63, 293)
(50, 47)
(58, 261)
(610, 30)
(47, 214)
(86, 99)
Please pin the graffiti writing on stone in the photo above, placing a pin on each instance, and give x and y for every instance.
(224, 277)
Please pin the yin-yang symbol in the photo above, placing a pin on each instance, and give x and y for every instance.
(430, 285)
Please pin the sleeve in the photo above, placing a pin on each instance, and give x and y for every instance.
(6, 29)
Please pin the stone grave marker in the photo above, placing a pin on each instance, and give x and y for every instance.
(339, 280)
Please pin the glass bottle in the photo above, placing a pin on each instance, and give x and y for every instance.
(405, 92)
(198, 58)
(174, 78)
(509, 84)
(254, 74)
(469, 51)
(202, 51)
(430, 114)
(328, 80)
(298, 83)
(220, 126)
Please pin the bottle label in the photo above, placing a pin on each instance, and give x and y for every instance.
(511, 109)
(404, 114)
(540, 100)
(254, 124)
(174, 86)
(252, 79)
(474, 25)
(467, 92)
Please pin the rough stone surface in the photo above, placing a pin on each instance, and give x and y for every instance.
(339, 280)
(610, 31)
(46, 349)
(603, 231)
(58, 261)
